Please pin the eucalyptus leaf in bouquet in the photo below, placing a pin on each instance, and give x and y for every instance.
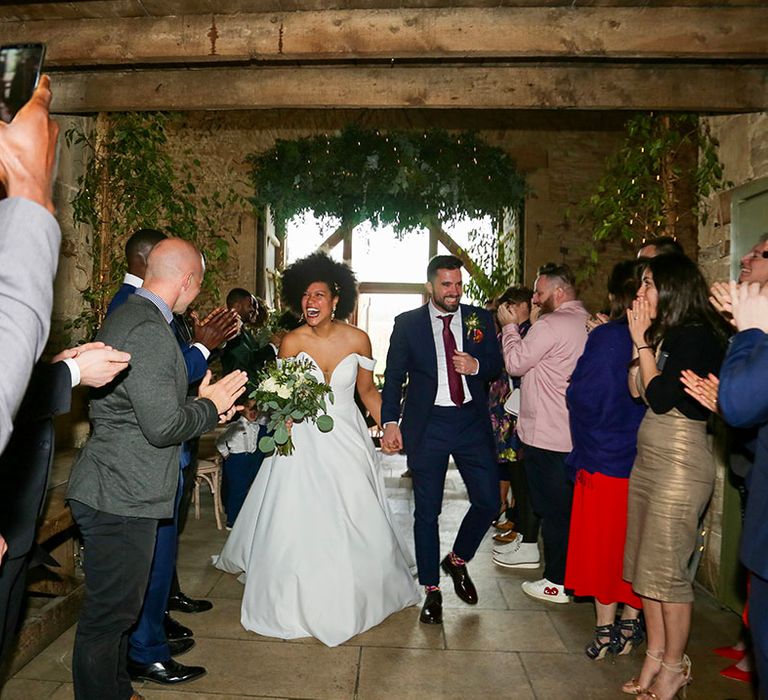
(288, 392)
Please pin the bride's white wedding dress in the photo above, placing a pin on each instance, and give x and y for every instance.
(315, 536)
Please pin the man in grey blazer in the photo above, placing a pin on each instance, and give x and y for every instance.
(125, 478)
(29, 248)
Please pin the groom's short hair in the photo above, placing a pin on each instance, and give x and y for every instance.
(442, 262)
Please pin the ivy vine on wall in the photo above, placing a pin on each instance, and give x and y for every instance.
(657, 182)
(408, 180)
(131, 181)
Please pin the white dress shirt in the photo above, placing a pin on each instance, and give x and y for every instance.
(443, 397)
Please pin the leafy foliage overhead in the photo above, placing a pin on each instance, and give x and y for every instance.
(403, 179)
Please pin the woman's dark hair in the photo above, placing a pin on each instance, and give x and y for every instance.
(318, 267)
(623, 284)
(516, 294)
(683, 297)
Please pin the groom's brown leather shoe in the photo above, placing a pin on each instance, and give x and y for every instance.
(432, 611)
(462, 584)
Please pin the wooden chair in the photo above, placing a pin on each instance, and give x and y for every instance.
(209, 473)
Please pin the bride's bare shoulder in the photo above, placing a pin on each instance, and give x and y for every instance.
(293, 342)
(356, 339)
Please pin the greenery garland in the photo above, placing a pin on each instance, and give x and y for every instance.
(404, 179)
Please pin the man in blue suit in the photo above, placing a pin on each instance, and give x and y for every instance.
(743, 401)
(447, 352)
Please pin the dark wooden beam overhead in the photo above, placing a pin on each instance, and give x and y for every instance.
(454, 34)
(549, 86)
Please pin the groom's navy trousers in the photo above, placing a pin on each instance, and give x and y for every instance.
(459, 432)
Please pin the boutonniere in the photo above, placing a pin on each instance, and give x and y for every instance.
(474, 332)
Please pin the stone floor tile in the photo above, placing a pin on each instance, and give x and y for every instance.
(402, 630)
(245, 668)
(227, 587)
(566, 676)
(198, 581)
(54, 663)
(500, 630)
(156, 692)
(26, 689)
(427, 675)
(222, 622)
(575, 623)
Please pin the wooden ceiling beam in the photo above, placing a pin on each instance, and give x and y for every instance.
(453, 34)
(584, 86)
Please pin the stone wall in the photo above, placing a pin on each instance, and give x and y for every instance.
(743, 151)
(561, 154)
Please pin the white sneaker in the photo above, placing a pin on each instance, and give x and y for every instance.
(517, 554)
(545, 590)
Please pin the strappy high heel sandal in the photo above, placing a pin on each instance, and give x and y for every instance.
(632, 686)
(629, 635)
(683, 667)
(597, 649)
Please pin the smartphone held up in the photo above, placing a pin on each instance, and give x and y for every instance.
(20, 68)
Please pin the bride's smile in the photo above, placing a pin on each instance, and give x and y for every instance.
(317, 303)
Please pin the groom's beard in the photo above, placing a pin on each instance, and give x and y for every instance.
(450, 307)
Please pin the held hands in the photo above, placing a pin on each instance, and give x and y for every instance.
(224, 392)
(464, 363)
(392, 440)
(28, 149)
(98, 363)
(749, 305)
(701, 389)
(216, 328)
(639, 319)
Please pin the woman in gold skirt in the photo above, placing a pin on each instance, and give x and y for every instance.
(673, 328)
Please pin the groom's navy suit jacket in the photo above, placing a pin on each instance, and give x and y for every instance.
(412, 355)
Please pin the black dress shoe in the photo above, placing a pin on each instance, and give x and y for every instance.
(432, 610)
(180, 646)
(164, 672)
(462, 584)
(175, 630)
(185, 604)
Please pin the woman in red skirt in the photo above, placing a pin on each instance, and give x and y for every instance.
(604, 420)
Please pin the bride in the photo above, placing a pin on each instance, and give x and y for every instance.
(315, 539)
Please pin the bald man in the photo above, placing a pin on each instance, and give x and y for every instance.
(125, 478)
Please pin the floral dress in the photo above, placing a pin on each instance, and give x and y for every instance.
(503, 423)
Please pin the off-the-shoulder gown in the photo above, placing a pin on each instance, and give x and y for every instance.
(315, 538)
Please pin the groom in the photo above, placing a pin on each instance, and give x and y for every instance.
(448, 353)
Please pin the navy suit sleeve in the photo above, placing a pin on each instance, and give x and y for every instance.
(196, 364)
(395, 372)
(743, 394)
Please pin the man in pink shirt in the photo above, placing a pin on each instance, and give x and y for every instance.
(545, 359)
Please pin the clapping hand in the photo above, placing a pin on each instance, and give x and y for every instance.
(98, 363)
(596, 320)
(704, 390)
(224, 393)
(639, 319)
(217, 327)
(749, 306)
(506, 314)
(720, 298)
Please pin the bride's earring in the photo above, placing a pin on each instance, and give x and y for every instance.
(333, 314)
(301, 318)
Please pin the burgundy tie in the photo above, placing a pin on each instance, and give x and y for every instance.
(454, 380)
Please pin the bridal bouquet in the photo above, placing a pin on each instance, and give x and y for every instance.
(288, 391)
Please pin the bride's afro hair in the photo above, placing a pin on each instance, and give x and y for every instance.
(319, 267)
